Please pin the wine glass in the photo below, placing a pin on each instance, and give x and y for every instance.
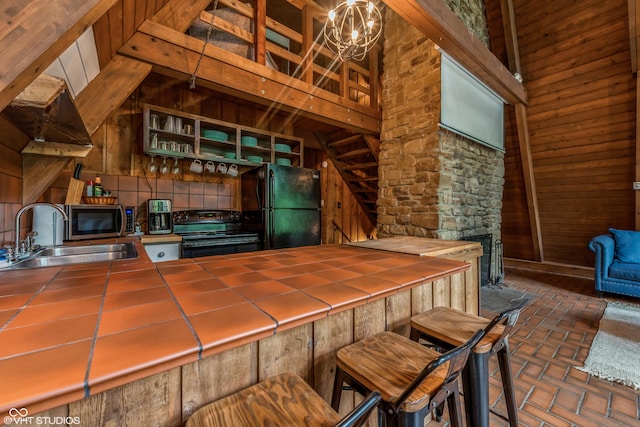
(152, 165)
(176, 166)
(164, 168)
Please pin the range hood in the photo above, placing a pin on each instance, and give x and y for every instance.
(45, 112)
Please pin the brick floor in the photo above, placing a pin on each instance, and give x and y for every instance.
(553, 335)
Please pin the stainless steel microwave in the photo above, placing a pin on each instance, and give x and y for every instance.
(94, 221)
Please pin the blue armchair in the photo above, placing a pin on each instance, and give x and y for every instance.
(617, 264)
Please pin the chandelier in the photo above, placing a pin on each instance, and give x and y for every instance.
(352, 29)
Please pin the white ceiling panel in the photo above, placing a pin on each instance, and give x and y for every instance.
(77, 65)
(89, 54)
(73, 69)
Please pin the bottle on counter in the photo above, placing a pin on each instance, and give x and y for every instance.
(98, 189)
(89, 188)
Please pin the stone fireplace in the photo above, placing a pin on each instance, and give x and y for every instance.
(432, 182)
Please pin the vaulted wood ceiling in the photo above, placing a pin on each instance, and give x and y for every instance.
(135, 37)
(128, 34)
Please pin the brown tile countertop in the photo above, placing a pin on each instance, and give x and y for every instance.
(421, 246)
(70, 332)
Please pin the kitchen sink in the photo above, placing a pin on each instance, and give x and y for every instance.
(68, 255)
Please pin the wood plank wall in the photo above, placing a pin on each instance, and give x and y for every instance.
(577, 71)
(343, 220)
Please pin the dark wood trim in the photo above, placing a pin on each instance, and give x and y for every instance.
(522, 125)
(510, 35)
(549, 267)
(529, 180)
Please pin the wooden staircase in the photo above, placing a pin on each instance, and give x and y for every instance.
(356, 158)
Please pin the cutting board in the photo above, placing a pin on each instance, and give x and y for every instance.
(74, 192)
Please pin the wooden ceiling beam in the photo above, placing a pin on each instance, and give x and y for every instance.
(178, 14)
(36, 33)
(510, 35)
(522, 124)
(115, 83)
(436, 21)
(174, 53)
(38, 174)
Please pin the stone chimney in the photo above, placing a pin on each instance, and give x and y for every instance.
(432, 182)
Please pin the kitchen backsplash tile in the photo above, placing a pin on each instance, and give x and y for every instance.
(196, 201)
(130, 191)
(135, 191)
(181, 187)
(128, 183)
(164, 186)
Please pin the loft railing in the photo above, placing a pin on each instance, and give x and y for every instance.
(287, 36)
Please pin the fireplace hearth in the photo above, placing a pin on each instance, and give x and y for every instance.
(486, 241)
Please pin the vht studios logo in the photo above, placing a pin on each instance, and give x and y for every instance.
(21, 416)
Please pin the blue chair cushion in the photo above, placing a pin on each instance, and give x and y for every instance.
(627, 245)
(626, 271)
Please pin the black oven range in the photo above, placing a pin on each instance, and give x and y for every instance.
(213, 232)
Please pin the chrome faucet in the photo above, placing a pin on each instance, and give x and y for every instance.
(17, 249)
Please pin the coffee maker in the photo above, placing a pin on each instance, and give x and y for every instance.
(159, 216)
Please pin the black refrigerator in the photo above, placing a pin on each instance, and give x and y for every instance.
(282, 203)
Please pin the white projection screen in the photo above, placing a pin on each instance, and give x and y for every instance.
(468, 107)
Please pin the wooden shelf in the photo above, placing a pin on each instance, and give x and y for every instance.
(210, 139)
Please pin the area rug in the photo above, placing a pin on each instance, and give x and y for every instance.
(615, 351)
(500, 298)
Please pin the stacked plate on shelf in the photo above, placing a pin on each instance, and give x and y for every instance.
(284, 148)
(256, 159)
(229, 155)
(215, 135)
(283, 161)
(248, 141)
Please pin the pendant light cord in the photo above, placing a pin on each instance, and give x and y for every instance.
(192, 79)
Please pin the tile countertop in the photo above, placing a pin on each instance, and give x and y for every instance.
(70, 332)
(421, 246)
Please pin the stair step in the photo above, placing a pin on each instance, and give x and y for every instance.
(362, 179)
(353, 153)
(361, 166)
(373, 144)
(345, 141)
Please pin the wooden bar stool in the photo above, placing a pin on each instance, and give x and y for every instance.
(281, 401)
(413, 380)
(447, 328)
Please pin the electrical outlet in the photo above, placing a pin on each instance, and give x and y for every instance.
(636, 185)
